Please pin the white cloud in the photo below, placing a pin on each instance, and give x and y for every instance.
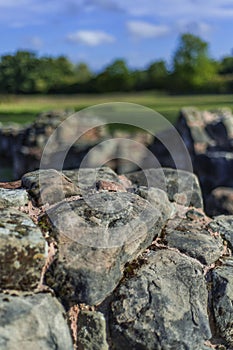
(91, 37)
(169, 8)
(33, 42)
(197, 28)
(143, 30)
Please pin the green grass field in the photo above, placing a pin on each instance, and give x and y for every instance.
(23, 109)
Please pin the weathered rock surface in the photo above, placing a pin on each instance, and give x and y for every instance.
(224, 225)
(158, 199)
(130, 248)
(22, 251)
(163, 306)
(33, 322)
(13, 198)
(87, 178)
(222, 295)
(194, 237)
(96, 237)
(91, 331)
(48, 186)
(181, 186)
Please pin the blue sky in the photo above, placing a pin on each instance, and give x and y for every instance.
(98, 31)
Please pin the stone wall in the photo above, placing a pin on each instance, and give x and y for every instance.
(209, 139)
(207, 135)
(21, 147)
(93, 260)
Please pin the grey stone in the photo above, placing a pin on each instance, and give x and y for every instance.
(193, 237)
(208, 137)
(181, 186)
(222, 296)
(91, 331)
(13, 198)
(97, 236)
(163, 306)
(87, 177)
(22, 251)
(220, 201)
(33, 322)
(48, 186)
(158, 198)
(224, 225)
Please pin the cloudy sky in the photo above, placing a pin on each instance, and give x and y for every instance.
(98, 31)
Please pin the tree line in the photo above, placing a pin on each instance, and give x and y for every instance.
(192, 70)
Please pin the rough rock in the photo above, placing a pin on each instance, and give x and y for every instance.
(96, 237)
(208, 136)
(181, 186)
(48, 186)
(194, 237)
(91, 331)
(220, 201)
(33, 322)
(22, 251)
(224, 225)
(222, 299)
(13, 198)
(87, 178)
(163, 306)
(158, 198)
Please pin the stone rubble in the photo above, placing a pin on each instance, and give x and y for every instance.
(139, 261)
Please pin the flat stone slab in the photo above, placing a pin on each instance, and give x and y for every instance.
(33, 322)
(96, 237)
(22, 251)
(48, 186)
(194, 237)
(162, 306)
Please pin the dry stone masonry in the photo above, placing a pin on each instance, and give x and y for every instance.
(208, 136)
(113, 264)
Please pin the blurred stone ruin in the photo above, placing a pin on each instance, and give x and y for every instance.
(207, 135)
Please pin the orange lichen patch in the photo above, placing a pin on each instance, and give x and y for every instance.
(125, 181)
(11, 185)
(110, 186)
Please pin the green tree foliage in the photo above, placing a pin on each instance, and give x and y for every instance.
(157, 75)
(226, 65)
(83, 72)
(17, 72)
(193, 69)
(115, 77)
(25, 73)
